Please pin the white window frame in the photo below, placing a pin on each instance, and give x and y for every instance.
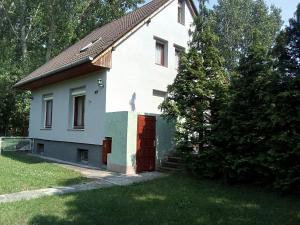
(45, 99)
(181, 11)
(79, 152)
(165, 51)
(179, 49)
(74, 95)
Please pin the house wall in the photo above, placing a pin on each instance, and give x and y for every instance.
(122, 128)
(134, 74)
(61, 120)
(68, 151)
(127, 92)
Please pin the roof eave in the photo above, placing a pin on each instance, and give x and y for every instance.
(21, 83)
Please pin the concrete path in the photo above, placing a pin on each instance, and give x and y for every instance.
(102, 179)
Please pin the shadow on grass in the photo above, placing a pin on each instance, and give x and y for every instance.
(174, 200)
(21, 172)
(22, 157)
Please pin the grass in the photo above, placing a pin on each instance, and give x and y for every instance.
(171, 200)
(20, 172)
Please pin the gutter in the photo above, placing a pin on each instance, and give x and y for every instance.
(52, 72)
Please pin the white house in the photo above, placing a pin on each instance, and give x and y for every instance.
(97, 102)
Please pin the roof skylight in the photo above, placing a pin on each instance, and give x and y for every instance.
(89, 45)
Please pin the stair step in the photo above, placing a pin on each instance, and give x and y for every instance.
(172, 164)
(175, 154)
(174, 159)
(169, 169)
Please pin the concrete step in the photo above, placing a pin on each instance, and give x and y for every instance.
(174, 159)
(169, 169)
(172, 164)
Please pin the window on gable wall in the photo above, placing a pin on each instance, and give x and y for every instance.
(178, 52)
(160, 53)
(181, 13)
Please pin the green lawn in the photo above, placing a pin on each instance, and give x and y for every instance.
(19, 172)
(172, 200)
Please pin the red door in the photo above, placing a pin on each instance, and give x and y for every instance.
(145, 156)
(106, 149)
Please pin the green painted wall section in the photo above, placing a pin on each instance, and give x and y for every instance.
(116, 124)
(165, 141)
(122, 128)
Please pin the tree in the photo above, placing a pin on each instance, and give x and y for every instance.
(243, 129)
(287, 48)
(200, 83)
(236, 21)
(285, 110)
(32, 32)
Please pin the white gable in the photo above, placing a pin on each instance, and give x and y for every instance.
(134, 74)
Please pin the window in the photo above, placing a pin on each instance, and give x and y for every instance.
(78, 112)
(181, 13)
(83, 155)
(47, 111)
(177, 58)
(178, 52)
(160, 54)
(159, 93)
(40, 148)
(48, 119)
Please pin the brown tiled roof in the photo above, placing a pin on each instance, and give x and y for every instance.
(102, 38)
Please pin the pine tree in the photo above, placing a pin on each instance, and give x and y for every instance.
(199, 89)
(288, 47)
(285, 109)
(243, 126)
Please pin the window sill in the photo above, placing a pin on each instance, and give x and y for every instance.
(75, 129)
(46, 128)
(161, 65)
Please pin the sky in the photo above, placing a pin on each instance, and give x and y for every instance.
(288, 7)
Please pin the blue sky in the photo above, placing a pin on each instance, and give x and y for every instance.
(288, 7)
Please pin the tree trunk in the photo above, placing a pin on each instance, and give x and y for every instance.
(23, 30)
(50, 41)
(23, 42)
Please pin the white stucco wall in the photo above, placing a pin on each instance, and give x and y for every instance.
(134, 73)
(61, 127)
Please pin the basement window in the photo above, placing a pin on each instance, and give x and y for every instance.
(83, 155)
(40, 148)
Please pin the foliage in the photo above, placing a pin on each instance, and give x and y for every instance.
(197, 92)
(285, 113)
(253, 133)
(32, 32)
(235, 23)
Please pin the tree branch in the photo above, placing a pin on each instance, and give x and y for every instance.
(9, 20)
(31, 19)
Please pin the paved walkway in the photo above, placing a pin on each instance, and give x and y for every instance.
(101, 179)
